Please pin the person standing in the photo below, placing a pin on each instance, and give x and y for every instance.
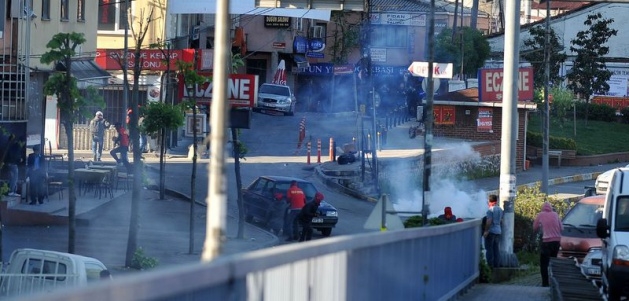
(36, 172)
(122, 140)
(550, 224)
(97, 127)
(493, 230)
(13, 159)
(306, 214)
(297, 199)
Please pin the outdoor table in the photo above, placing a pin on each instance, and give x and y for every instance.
(88, 177)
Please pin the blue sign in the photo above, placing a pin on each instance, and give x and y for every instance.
(316, 45)
(300, 44)
(317, 55)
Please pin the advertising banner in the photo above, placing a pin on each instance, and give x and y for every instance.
(242, 90)
(490, 84)
(444, 115)
(484, 123)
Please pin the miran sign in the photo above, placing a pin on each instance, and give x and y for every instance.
(242, 90)
(491, 86)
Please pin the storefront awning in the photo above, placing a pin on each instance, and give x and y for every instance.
(86, 72)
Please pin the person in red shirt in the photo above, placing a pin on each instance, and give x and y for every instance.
(297, 199)
(122, 140)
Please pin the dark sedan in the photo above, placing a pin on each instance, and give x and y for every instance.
(261, 204)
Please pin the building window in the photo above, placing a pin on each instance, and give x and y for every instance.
(45, 9)
(80, 11)
(64, 10)
(112, 15)
(393, 36)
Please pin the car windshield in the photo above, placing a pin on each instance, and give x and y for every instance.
(622, 214)
(583, 215)
(277, 90)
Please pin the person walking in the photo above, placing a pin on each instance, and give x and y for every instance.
(297, 199)
(97, 127)
(493, 230)
(122, 142)
(550, 224)
(14, 157)
(36, 173)
(306, 214)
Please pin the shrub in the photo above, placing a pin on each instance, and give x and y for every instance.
(625, 114)
(528, 203)
(141, 261)
(600, 112)
(536, 139)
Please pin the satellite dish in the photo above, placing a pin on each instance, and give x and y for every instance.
(435, 85)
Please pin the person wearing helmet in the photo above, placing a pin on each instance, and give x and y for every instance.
(306, 214)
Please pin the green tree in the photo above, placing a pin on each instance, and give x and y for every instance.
(62, 48)
(533, 52)
(562, 103)
(192, 80)
(589, 74)
(469, 48)
(345, 38)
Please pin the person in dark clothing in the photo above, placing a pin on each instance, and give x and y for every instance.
(98, 125)
(13, 159)
(37, 176)
(306, 214)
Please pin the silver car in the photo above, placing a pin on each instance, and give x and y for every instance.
(276, 98)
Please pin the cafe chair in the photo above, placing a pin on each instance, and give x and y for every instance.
(54, 185)
(124, 177)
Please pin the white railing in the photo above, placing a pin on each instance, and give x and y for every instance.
(13, 285)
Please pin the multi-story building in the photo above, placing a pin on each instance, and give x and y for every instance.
(27, 28)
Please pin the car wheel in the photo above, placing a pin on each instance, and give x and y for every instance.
(326, 232)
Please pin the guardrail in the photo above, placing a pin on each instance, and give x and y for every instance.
(431, 263)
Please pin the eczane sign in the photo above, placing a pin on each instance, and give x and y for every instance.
(242, 90)
(491, 85)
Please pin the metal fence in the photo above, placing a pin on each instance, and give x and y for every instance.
(432, 263)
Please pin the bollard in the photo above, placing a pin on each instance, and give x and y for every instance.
(331, 149)
(369, 141)
(308, 146)
(318, 150)
(334, 151)
(379, 143)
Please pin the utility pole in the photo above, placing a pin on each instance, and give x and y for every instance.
(125, 66)
(546, 122)
(509, 130)
(429, 115)
(217, 195)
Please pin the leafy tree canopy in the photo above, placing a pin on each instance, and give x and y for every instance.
(160, 115)
(473, 55)
(533, 52)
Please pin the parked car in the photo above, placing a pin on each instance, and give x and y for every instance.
(32, 271)
(591, 264)
(579, 228)
(602, 181)
(276, 98)
(259, 202)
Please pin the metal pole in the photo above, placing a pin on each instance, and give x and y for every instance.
(217, 195)
(546, 122)
(125, 67)
(429, 115)
(509, 130)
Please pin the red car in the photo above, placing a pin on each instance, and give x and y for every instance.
(579, 228)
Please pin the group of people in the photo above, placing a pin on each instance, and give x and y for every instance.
(98, 125)
(36, 170)
(299, 213)
(547, 222)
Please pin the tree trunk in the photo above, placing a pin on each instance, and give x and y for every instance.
(241, 208)
(162, 164)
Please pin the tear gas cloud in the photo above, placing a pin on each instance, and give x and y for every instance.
(466, 200)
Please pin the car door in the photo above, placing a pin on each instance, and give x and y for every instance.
(254, 198)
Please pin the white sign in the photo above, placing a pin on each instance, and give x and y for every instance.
(439, 70)
(201, 125)
(378, 54)
(399, 19)
(617, 85)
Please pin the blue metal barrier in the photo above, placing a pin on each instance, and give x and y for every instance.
(432, 263)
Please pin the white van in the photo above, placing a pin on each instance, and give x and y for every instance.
(31, 271)
(613, 229)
